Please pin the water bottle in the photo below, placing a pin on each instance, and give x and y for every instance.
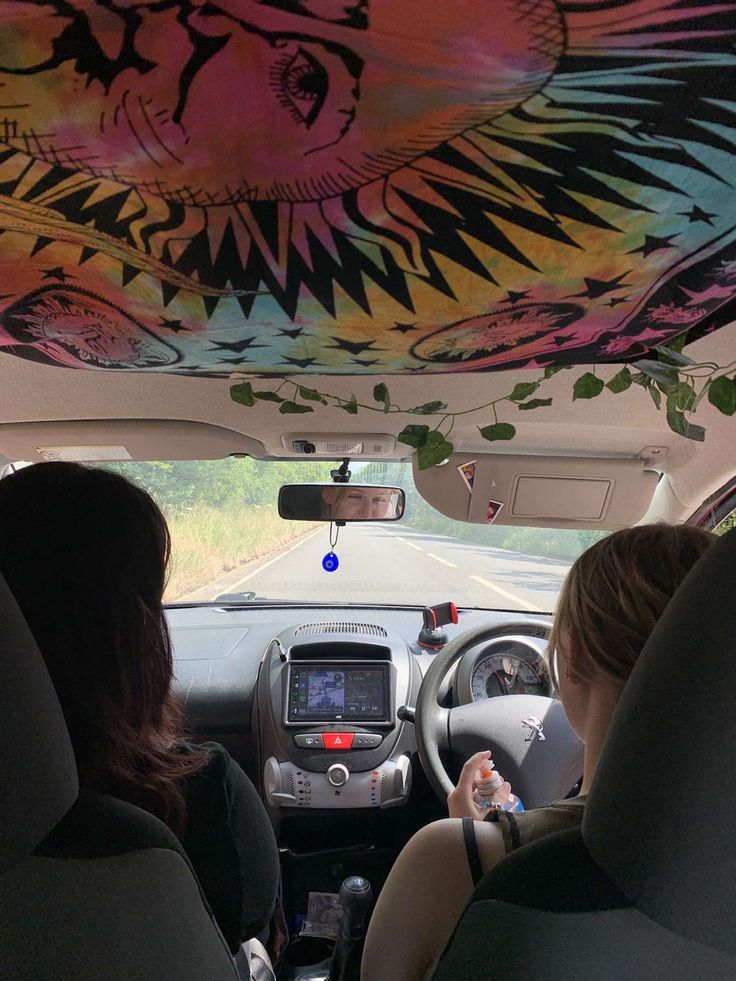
(488, 782)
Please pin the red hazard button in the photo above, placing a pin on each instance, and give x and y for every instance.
(338, 740)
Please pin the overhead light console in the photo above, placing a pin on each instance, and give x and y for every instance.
(332, 445)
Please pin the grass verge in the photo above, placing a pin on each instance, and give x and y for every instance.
(207, 542)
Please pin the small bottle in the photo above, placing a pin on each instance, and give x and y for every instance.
(489, 783)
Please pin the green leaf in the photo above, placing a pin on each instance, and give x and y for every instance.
(536, 404)
(676, 420)
(620, 382)
(243, 393)
(587, 386)
(553, 369)
(434, 451)
(703, 392)
(380, 394)
(660, 373)
(351, 406)
(681, 396)
(415, 436)
(268, 396)
(671, 356)
(639, 378)
(656, 396)
(292, 408)
(500, 430)
(429, 408)
(678, 343)
(310, 395)
(678, 423)
(722, 394)
(523, 390)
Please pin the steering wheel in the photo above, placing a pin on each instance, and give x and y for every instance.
(541, 766)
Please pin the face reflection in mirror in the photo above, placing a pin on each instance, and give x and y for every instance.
(359, 503)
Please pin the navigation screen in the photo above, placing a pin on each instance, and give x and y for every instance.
(338, 693)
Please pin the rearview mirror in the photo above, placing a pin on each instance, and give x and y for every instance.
(341, 502)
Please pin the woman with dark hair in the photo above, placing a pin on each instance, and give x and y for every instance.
(85, 553)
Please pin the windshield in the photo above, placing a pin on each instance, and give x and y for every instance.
(227, 538)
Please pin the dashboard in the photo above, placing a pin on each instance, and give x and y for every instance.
(324, 696)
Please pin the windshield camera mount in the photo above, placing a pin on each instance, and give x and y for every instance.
(342, 475)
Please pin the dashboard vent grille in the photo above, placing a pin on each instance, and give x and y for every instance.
(367, 629)
(386, 786)
(287, 781)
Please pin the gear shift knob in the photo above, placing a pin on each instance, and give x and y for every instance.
(356, 897)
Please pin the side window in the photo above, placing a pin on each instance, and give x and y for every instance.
(718, 514)
(726, 523)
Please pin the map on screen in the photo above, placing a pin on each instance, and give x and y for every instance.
(326, 691)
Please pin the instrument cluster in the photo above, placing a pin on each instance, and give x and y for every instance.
(513, 665)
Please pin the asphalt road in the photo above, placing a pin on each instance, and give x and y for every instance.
(395, 564)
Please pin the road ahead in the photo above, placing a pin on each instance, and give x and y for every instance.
(395, 564)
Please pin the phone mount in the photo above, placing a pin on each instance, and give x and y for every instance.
(435, 617)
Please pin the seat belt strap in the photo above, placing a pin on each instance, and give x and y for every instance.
(471, 850)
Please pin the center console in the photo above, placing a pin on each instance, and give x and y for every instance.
(328, 699)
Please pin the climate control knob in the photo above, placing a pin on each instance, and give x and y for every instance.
(338, 775)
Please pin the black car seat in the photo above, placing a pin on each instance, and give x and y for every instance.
(646, 889)
(91, 888)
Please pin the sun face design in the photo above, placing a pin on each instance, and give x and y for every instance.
(511, 332)
(280, 182)
(79, 330)
(207, 103)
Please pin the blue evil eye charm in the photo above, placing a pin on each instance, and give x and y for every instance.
(330, 562)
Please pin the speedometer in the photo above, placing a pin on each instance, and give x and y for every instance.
(505, 674)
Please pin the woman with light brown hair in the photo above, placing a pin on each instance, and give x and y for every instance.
(613, 595)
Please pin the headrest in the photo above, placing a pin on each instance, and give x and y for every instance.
(38, 775)
(660, 820)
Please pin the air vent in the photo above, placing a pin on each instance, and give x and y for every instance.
(366, 629)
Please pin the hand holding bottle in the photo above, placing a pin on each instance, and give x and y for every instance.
(466, 801)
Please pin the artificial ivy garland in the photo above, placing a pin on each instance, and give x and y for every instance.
(670, 374)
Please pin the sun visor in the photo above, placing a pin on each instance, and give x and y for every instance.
(96, 441)
(538, 491)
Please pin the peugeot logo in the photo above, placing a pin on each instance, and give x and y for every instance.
(535, 727)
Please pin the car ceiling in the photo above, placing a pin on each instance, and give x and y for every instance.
(609, 425)
(191, 190)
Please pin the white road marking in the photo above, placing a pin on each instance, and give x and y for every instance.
(504, 592)
(439, 558)
(233, 586)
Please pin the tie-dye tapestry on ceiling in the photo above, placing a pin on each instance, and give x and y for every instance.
(384, 185)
